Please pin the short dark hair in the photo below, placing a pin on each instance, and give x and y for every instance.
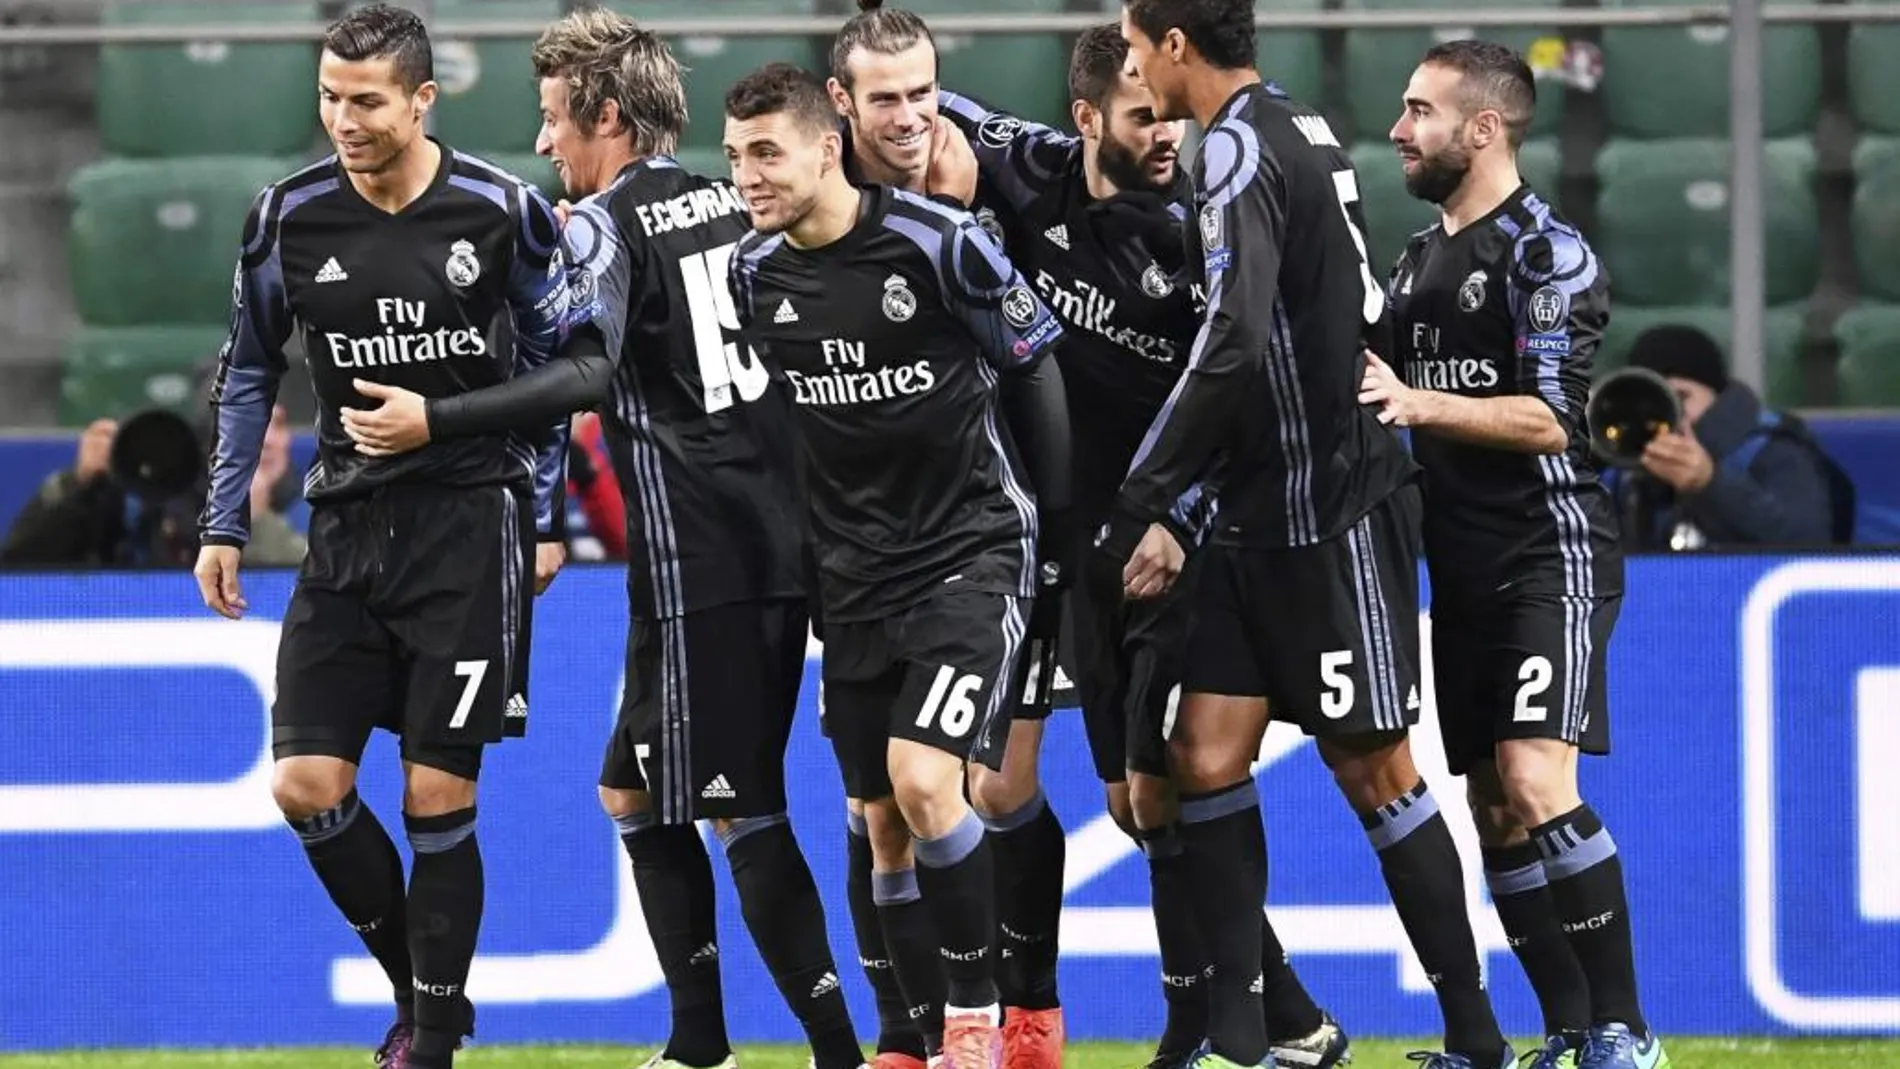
(1095, 67)
(1220, 30)
(876, 28)
(385, 30)
(1493, 77)
(783, 87)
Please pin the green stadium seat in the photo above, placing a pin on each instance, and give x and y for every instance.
(113, 372)
(156, 241)
(1873, 79)
(207, 97)
(1782, 328)
(1393, 215)
(1869, 371)
(1672, 81)
(530, 168)
(1025, 74)
(1292, 58)
(1663, 221)
(1876, 216)
(710, 162)
(488, 102)
(1380, 62)
(713, 63)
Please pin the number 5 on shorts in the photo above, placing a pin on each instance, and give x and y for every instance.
(950, 704)
(1336, 700)
(471, 673)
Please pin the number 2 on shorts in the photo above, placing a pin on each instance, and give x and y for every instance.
(471, 673)
(949, 703)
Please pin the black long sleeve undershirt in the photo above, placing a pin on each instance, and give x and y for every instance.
(578, 379)
(1036, 407)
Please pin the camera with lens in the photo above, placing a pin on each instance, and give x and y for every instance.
(157, 456)
(1629, 409)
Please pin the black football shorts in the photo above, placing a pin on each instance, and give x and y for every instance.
(940, 674)
(411, 613)
(1128, 661)
(707, 710)
(1327, 633)
(1526, 667)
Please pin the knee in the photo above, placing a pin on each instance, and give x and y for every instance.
(619, 803)
(1371, 770)
(1490, 812)
(890, 837)
(431, 792)
(996, 794)
(305, 786)
(1121, 810)
(1152, 802)
(1199, 766)
(1535, 793)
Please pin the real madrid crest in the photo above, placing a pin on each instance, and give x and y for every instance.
(986, 218)
(1210, 227)
(899, 302)
(1471, 293)
(463, 269)
(1548, 309)
(1019, 307)
(1155, 282)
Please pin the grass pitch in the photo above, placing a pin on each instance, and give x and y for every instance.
(1685, 1053)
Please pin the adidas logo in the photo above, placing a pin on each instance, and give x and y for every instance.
(719, 788)
(1058, 236)
(826, 985)
(1411, 698)
(709, 952)
(1258, 986)
(785, 313)
(331, 271)
(516, 709)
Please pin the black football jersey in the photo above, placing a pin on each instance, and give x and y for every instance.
(699, 432)
(1513, 304)
(892, 339)
(1273, 375)
(410, 299)
(1113, 270)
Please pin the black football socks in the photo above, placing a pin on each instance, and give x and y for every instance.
(1029, 848)
(1226, 851)
(445, 917)
(360, 868)
(1521, 894)
(1586, 883)
(674, 879)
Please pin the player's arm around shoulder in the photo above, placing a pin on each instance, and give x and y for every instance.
(1016, 158)
(1012, 326)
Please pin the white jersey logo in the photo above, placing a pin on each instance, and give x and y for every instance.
(786, 313)
(899, 302)
(1058, 236)
(331, 271)
(1470, 293)
(463, 269)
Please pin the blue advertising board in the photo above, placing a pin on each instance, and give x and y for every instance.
(154, 897)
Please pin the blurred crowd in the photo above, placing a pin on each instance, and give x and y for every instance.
(1731, 473)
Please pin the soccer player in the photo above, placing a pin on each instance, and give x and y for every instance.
(1307, 602)
(1093, 222)
(1497, 311)
(396, 255)
(702, 437)
(884, 84)
(892, 318)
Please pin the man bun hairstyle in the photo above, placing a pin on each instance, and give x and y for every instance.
(876, 28)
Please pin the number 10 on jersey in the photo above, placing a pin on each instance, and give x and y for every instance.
(722, 370)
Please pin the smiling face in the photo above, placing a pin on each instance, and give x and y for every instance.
(579, 152)
(370, 116)
(778, 163)
(891, 104)
(1433, 134)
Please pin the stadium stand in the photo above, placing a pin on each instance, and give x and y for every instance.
(1638, 161)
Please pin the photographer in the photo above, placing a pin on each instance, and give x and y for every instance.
(95, 515)
(1735, 474)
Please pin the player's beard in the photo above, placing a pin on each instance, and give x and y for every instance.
(1439, 175)
(1123, 167)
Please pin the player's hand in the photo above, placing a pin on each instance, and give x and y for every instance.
(1155, 565)
(217, 574)
(95, 449)
(548, 558)
(399, 425)
(563, 209)
(1400, 405)
(1678, 459)
(952, 169)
